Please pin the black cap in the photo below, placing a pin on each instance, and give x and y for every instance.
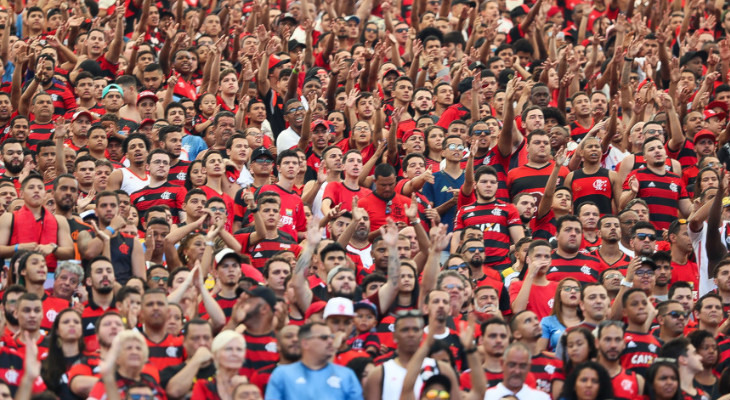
(649, 261)
(288, 16)
(293, 44)
(91, 67)
(467, 2)
(261, 152)
(688, 56)
(465, 84)
(166, 13)
(264, 293)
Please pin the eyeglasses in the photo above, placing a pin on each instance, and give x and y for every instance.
(459, 266)
(644, 236)
(361, 128)
(264, 161)
(371, 30)
(323, 337)
(402, 30)
(475, 249)
(217, 209)
(571, 289)
(454, 146)
(712, 164)
(613, 276)
(296, 109)
(481, 132)
(437, 394)
(653, 131)
(677, 314)
(157, 279)
(453, 286)
(644, 272)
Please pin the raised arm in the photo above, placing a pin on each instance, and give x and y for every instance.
(546, 202)
(115, 47)
(389, 292)
(302, 290)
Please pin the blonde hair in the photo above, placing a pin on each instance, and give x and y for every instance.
(130, 334)
(225, 337)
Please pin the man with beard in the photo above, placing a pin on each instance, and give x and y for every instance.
(443, 193)
(609, 254)
(361, 246)
(422, 103)
(672, 319)
(391, 367)
(19, 126)
(525, 204)
(63, 102)
(80, 125)
(178, 379)
(536, 292)
(294, 115)
(224, 126)
(100, 278)
(437, 306)
(159, 191)
(643, 239)
(495, 338)
(292, 219)
(287, 343)
(34, 227)
(662, 190)
(126, 252)
(12, 151)
(546, 368)
(86, 244)
(258, 312)
(663, 261)
(342, 192)
(133, 178)
(610, 344)
(9, 305)
(165, 350)
(683, 269)
(567, 259)
(499, 222)
(533, 176)
(593, 182)
(338, 316)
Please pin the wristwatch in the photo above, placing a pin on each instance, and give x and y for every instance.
(626, 283)
(415, 221)
(55, 247)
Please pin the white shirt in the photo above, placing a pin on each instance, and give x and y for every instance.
(699, 239)
(526, 393)
(287, 139)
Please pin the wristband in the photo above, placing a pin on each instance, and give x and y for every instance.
(626, 283)
(16, 248)
(110, 229)
(294, 71)
(415, 221)
(210, 243)
(471, 351)
(628, 59)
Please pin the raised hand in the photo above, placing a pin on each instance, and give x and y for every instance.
(389, 232)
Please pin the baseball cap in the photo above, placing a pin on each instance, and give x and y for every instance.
(688, 56)
(649, 261)
(261, 152)
(336, 270)
(704, 133)
(112, 87)
(314, 308)
(293, 44)
(288, 16)
(717, 104)
(519, 11)
(412, 132)
(146, 121)
(726, 201)
(147, 94)
(227, 253)
(264, 293)
(352, 18)
(467, 2)
(367, 305)
(79, 113)
(712, 113)
(319, 122)
(339, 306)
(391, 70)
(465, 84)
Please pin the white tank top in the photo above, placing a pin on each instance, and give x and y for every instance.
(317, 202)
(394, 374)
(132, 182)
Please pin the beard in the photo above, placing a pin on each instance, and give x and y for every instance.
(476, 263)
(11, 318)
(525, 220)
(350, 295)
(14, 169)
(105, 290)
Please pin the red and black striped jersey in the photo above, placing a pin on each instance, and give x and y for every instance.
(546, 369)
(89, 317)
(16, 344)
(266, 248)
(52, 306)
(700, 395)
(502, 165)
(494, 219)
(178, 173)
(261, 377)
(225, 303)
(593, 187)
(261, 352)
(622, 264)
(641, 350)
(166, 194)
(12, 368)
(166, 353)
(578, 131)
(532, 180)
(98, 392)
(583, 268)
(640, 162)
(39, 133)
(662, 193)
(544, 228)
(723, 355)
(625, 385)
(240, 209)
(685, 155)
(589, 246)
(64, 101)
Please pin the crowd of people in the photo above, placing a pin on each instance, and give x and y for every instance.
(391, 199)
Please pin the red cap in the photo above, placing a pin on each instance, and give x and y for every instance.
(147, 94)
(712, 113)
(146, 121)
(319, 122)
(552, 11)
(704, 133)
(717, 104)
(412, 132)
(317, 306)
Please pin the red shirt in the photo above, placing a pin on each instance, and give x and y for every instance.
(292, 219)
(379, 210)
(541, 297)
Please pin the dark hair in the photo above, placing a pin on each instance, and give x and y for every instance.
(188, 179)
(678, 285)
(195, 321)
(55, 365)
(384, 170)
(642, 225)
(588, 336)
(566, 218)
(697, 337)
(625, 297)
(284, 154)
(605, 387)
(652, 374)
(125, 143)
(698, 304)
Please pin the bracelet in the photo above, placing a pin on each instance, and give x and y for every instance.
(253, 210)
(210, 243)
(471, 351)
(16, 248)
(110, 229)
(135, 47)
(294, 71)
(415, 221)
(628, 58)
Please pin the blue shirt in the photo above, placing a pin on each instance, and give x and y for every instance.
(438, 194)
(193, 145)
(552, 330)
(296, 381)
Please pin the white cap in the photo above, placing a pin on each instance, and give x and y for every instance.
(339, 306)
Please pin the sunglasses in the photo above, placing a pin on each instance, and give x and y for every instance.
(159, 278)
(408, 314)
(371, 30)
(438, 394)
(481, 132)
(401, 30)
(264, 161)
(644, 236)
(475, 249)
(218, 209)
(454, 146)
(677, 314)
(453, 286)
(457, 267)
(296, 109)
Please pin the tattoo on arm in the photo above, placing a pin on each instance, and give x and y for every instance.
(303, 261)
(393, 265)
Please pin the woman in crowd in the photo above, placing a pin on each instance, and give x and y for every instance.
(229, 353)
(579, 346)
(565, 312)
(588, 381)
(65, 346)
(662, 381)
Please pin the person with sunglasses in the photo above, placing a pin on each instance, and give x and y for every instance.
(672, 319)
(643, 239)
(443, 193)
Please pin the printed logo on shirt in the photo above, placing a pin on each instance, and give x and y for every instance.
(334, 382)
(651, 184)
(301, 381)
(631, 345)
(600, 185)
(627, 385)
(673, 187)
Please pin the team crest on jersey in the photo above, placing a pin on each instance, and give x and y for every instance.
(271, 347)
(600, 185)
(181, 176)
(673, 187)
(165, 195)
(55, 97)
(652, 348)
(51, 315)
(497, 212)
(11, 377)
(171, 351)
(585, 269)
(141, 198)
(550, 369)
(551, 302)
(487, 160)
(651, 184)
(627, 385)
